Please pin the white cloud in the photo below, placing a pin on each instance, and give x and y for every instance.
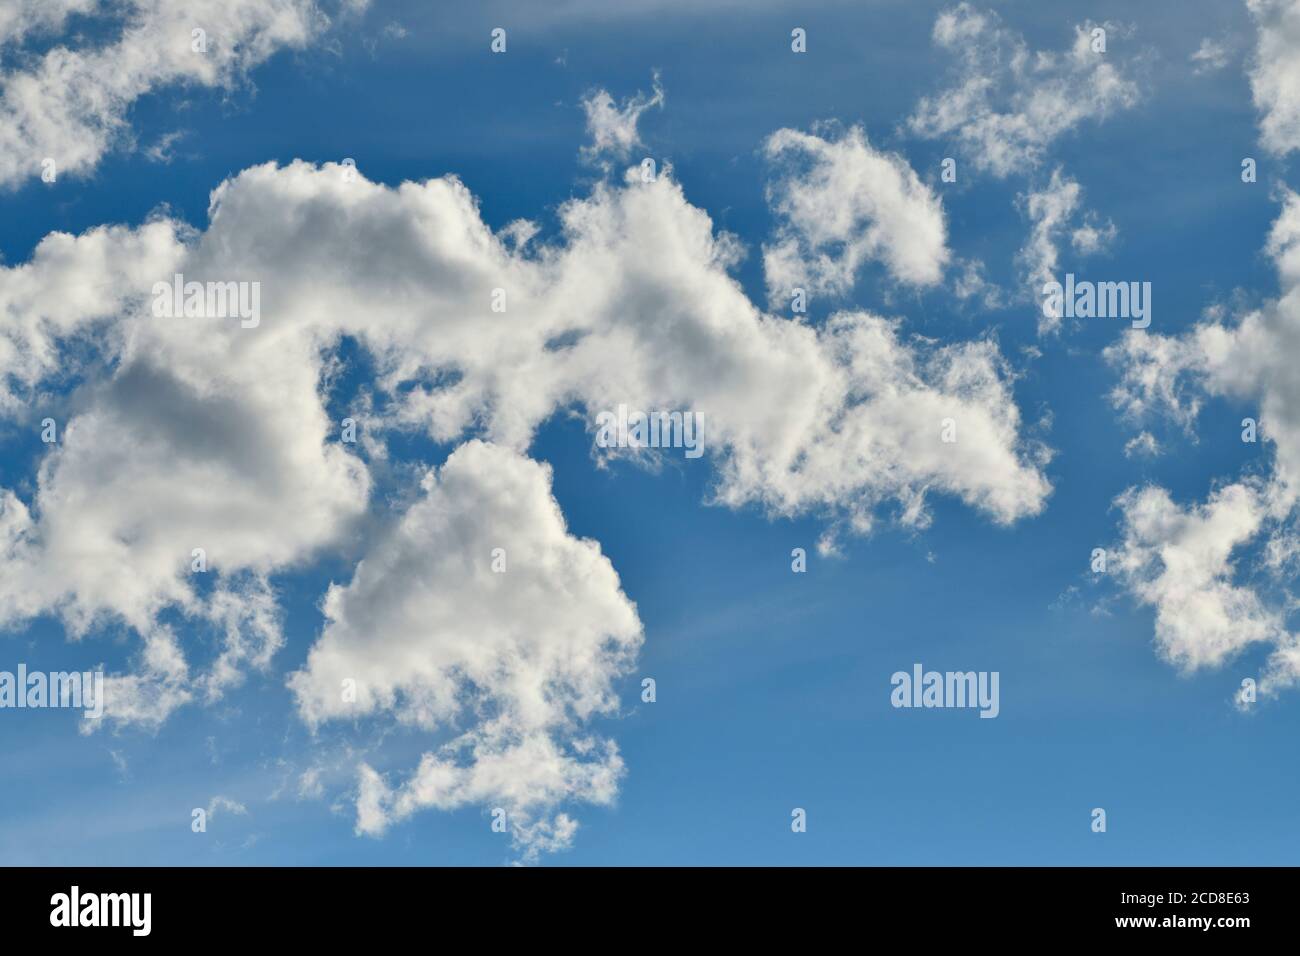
(1211, 55)
(1049, 210)
(427, 620)
(159, 685)
(972, 284)
(223, 805)
(162, 150)
(73, 286)
(1247, 360)
(1179, 561)
(70, 105)
(1154, 369)
(18, 18)
(1180, 558)
(1142, 445)
(1275, 72)
(310, 784)
(1010, 103)
(518, 660)
(166, 458)
(1092, 236)
(192, 432)
(787, 406)
(843, 203)
(200, 436)
(1053, 210)
(613, 128)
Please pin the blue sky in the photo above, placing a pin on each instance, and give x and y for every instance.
(773, 688)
